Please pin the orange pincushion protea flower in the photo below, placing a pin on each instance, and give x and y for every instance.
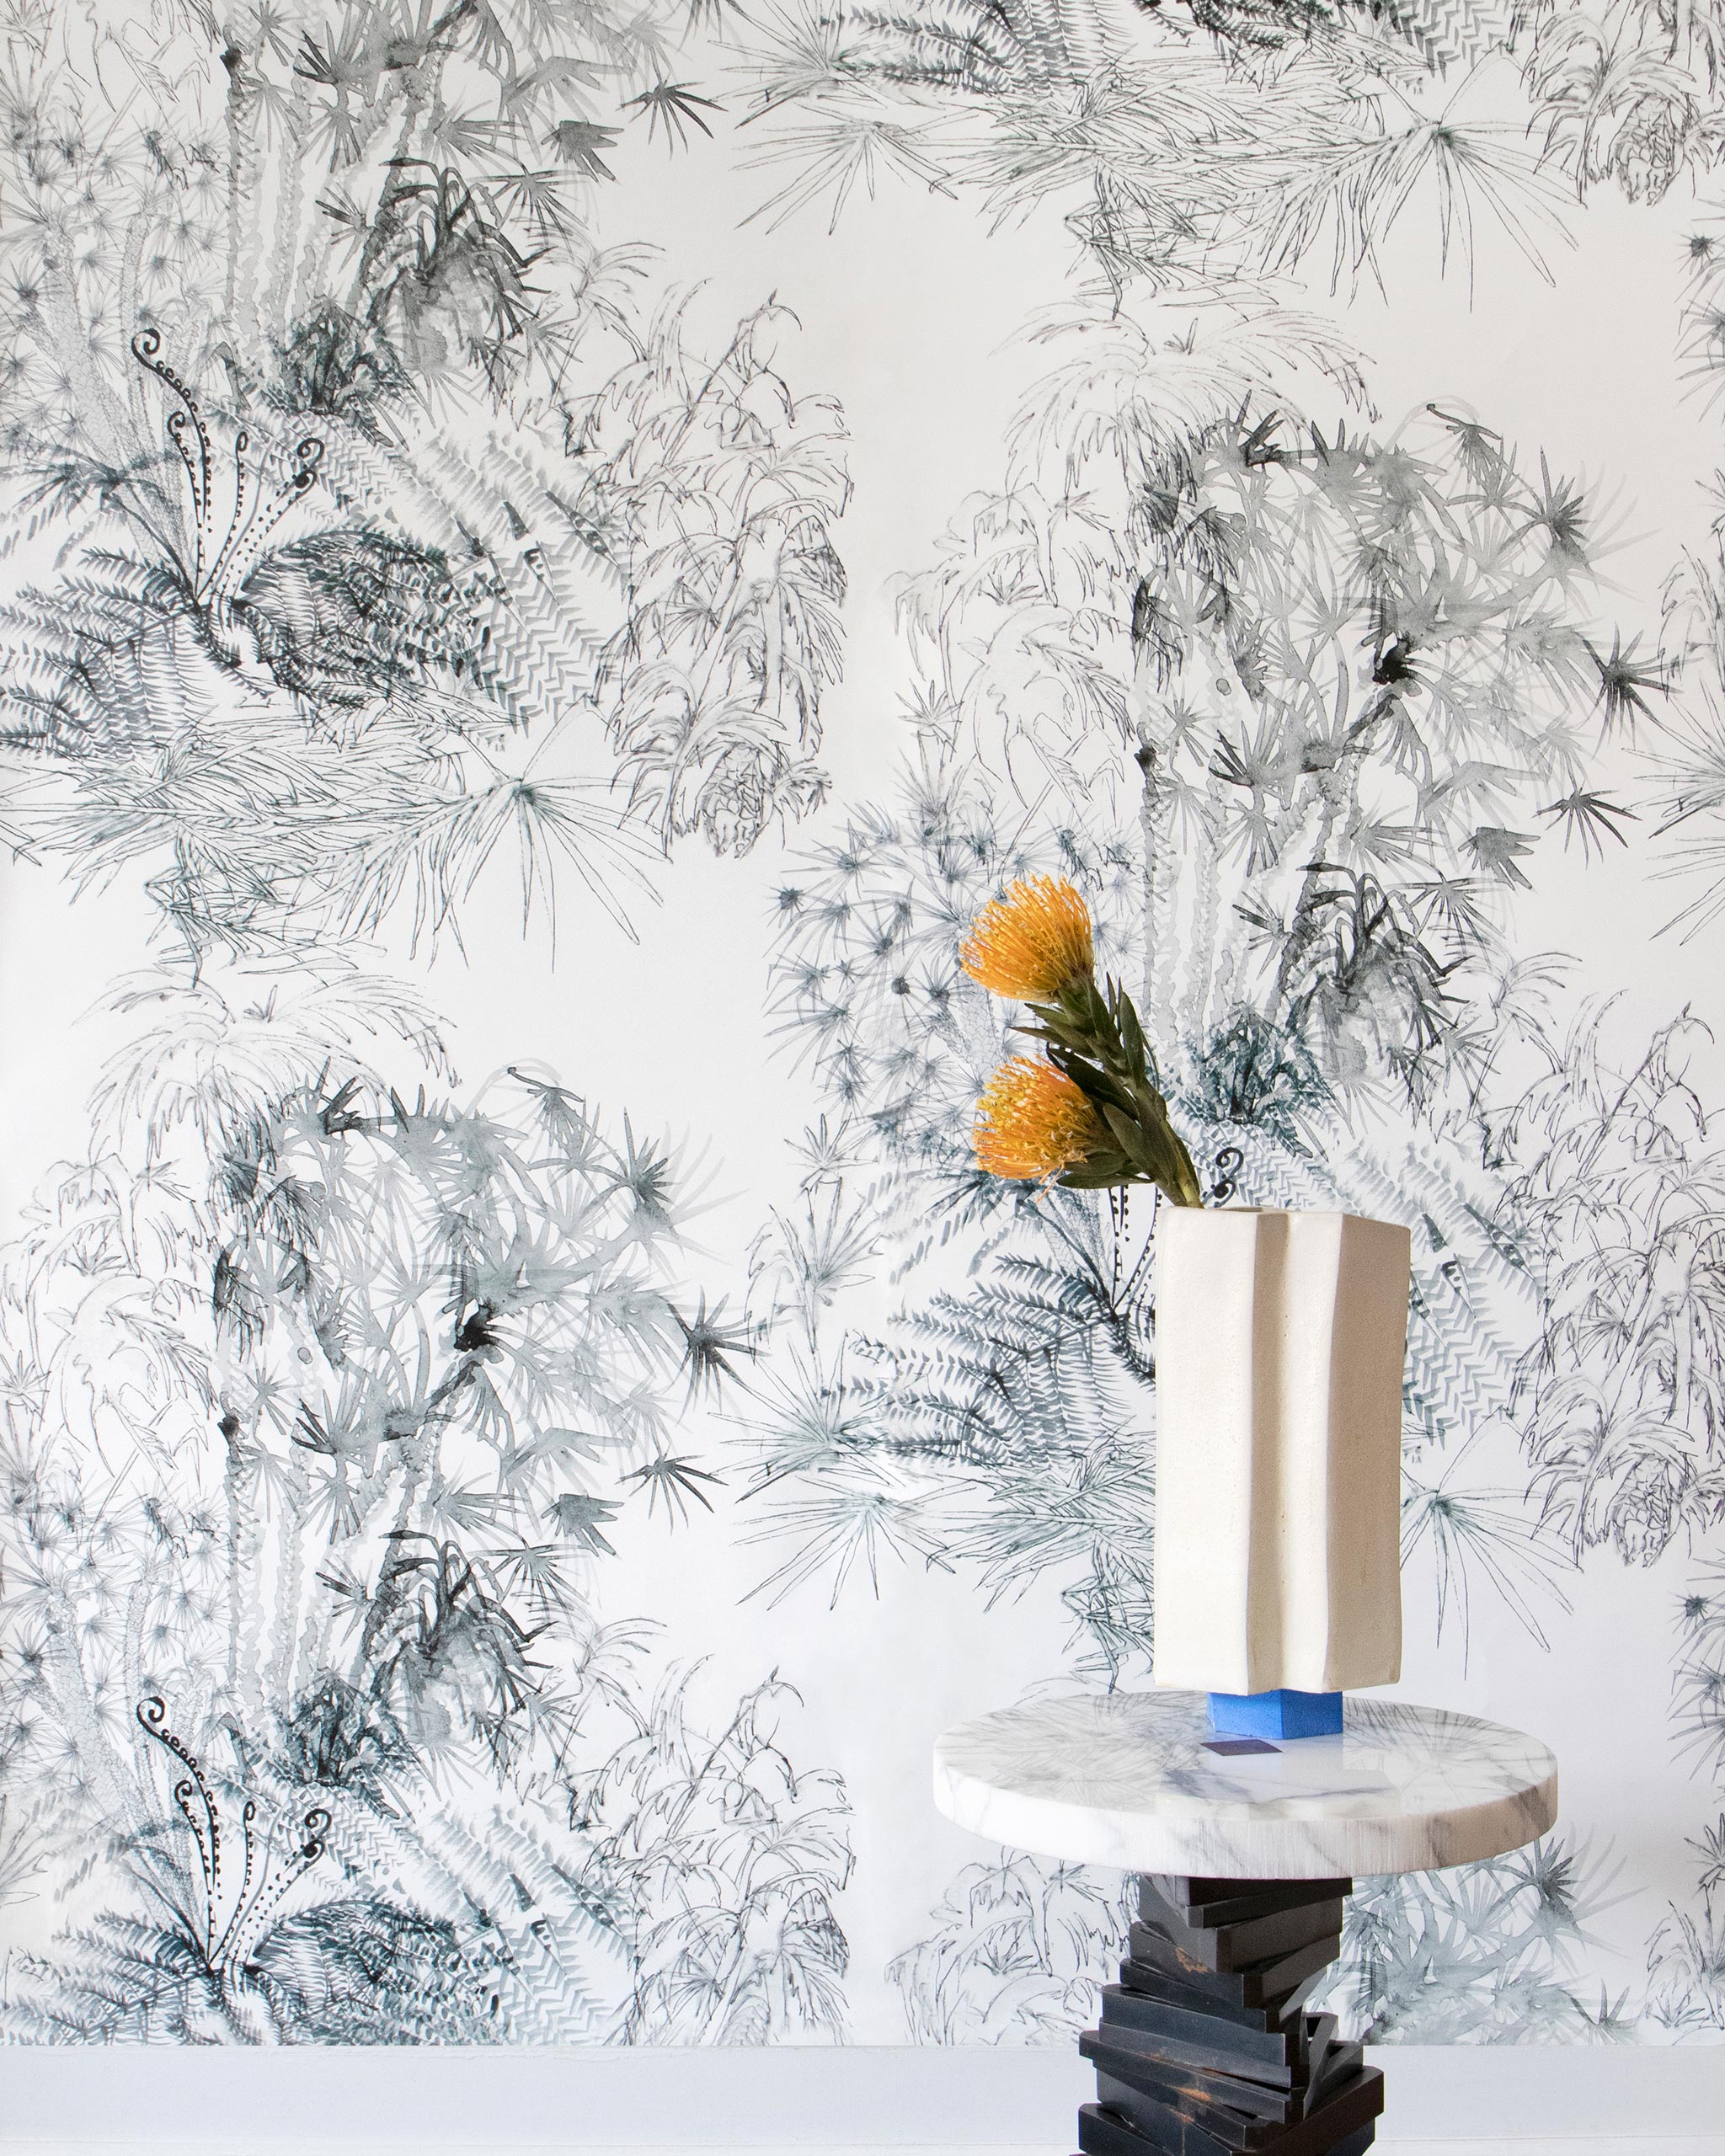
(1032, 942)
(1032, 1122)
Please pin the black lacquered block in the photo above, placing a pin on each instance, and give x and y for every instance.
(1167, 2124)
(1179, 2068)
(1141, 1979)
(1232, 1901)
(1105, 2133)
(1275, 2056)
(1341, 2126)
(1330, 2058)
(1238, 2114)
(1206, 2048)
(1245, 1943)
(1262, 1984)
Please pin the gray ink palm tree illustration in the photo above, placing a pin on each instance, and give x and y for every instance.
(326, 1387)
(1311, 772)
(1020, 1949)
(1677, 732)
(1617, 1206)
(326, 1451)
(1216, 138)
(676, 1807)
(1201, 143)
(1019, 1954)
(1687, 1948)
(1486, 1953)
(277, 601)
(1327, 697)
(380, 525)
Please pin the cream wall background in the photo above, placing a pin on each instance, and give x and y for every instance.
(911, 315)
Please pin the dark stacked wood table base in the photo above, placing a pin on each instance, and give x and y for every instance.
(1206, 2048)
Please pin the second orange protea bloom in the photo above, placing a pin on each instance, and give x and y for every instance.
(1032, 1122)
(1030, 943)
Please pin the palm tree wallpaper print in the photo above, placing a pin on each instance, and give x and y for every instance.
(554, 553)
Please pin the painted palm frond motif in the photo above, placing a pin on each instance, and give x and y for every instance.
(354, 488)
(1331, 698)
(679, 1808)
(1618, 1203)
(1685, 1962)
(1322, 903)
(1019, 1954)
(1277, 136)
(586, 545)
(249, 526)
(1485, 1953)
(730, 483)
(392, 1376)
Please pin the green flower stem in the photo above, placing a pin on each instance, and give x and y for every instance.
(1093, 1037)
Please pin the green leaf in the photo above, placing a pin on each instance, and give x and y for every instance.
(1134, 1141)
(1132, 1032)
(1100, 1172)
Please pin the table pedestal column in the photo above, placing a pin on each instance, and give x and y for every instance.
(1206, 2047)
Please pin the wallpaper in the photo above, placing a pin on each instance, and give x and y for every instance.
(553, 554)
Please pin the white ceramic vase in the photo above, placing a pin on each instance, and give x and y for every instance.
(1279, 1343)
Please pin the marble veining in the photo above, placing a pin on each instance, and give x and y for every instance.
(1125, 1779)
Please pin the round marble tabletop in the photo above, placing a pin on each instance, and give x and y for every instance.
(1135, 1779)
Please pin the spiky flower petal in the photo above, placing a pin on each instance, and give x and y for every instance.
(1032, 942)
(1032, 1122)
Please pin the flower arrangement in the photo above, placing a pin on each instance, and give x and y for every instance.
(1085, 1113)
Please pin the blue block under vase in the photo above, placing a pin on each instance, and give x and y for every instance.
(1281, 1715)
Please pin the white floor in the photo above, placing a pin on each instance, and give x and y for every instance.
(1537, 2101)
(1388, 2143)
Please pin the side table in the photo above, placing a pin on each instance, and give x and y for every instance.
(1245, 1851)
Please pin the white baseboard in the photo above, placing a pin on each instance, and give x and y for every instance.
(859, 2101)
